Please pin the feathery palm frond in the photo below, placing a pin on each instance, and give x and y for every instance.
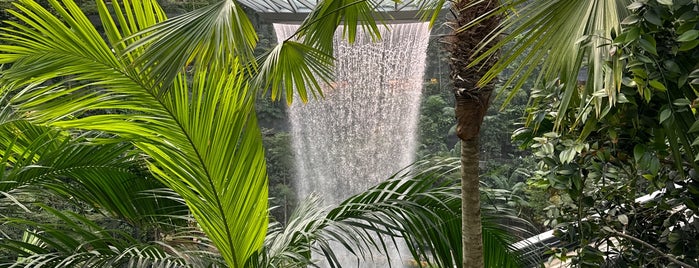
(104, 173)
(560, 37)
(76, 241)
(201, 133)
(420, 205)
(221, 31)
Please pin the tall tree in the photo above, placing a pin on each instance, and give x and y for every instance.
(561, 37)
(472, 102)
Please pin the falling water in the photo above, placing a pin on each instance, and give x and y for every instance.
(364, 130)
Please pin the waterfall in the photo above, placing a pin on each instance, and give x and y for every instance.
(364, 130)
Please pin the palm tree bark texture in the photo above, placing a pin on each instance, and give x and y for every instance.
(472, 102)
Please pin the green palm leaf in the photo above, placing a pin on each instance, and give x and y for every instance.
(76, 241)
(422, 206)
(292, 65)
(105, 173)
(200, 132)
(218, 32)
(318, 29)
(560, 37)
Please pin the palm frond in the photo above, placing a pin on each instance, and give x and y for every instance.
(318, 28)
(201, 133)
(430, 10)
(105, 173)
(76, 241)
(560, 37)
(292, 65)
(218, 32)
(420, 205)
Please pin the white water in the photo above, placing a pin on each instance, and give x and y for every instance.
(364, 130)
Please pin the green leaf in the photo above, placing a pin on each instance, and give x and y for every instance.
(687, 46)
(631, 19)
(694, 127)
(696, 141)
(665, 2)
(547, 32)
(567, 155)
(294, 66)
(639, 72)
(694, 74)
(671, 66)
(682, 102)
(219, 31)
(688, 36)
(635, 5)
(200, 132)
(665, 114)
(657, 85)
(633, 34)
(638, 152)
(653, 18)
(648, 45)
(682, 80)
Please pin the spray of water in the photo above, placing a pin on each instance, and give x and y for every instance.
(364, 130)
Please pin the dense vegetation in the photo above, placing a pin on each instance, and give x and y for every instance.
(639, 141)
(157, 160)
(76, 190)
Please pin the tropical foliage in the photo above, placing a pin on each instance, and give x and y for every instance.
(150, 122)
(600, 146)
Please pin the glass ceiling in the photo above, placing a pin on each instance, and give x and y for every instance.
(290, 9)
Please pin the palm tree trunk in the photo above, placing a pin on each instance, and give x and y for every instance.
(471, 229)
(472, 102)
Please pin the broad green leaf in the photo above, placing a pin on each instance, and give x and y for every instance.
(635, 5)
(567, 155)
(688, 36)
(694, 127)
(696, 141)
(638, 152)
(652, 17)
(672, 66)
(632, 34)
(657, 85)
(665, 114)
(648, 45)
(694, 74)
(631, 20)
(687, 46)
(682, 102)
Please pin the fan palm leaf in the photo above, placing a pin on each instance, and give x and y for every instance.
(217, 32)
(560, 38)
(199, 132)
(222, 31)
